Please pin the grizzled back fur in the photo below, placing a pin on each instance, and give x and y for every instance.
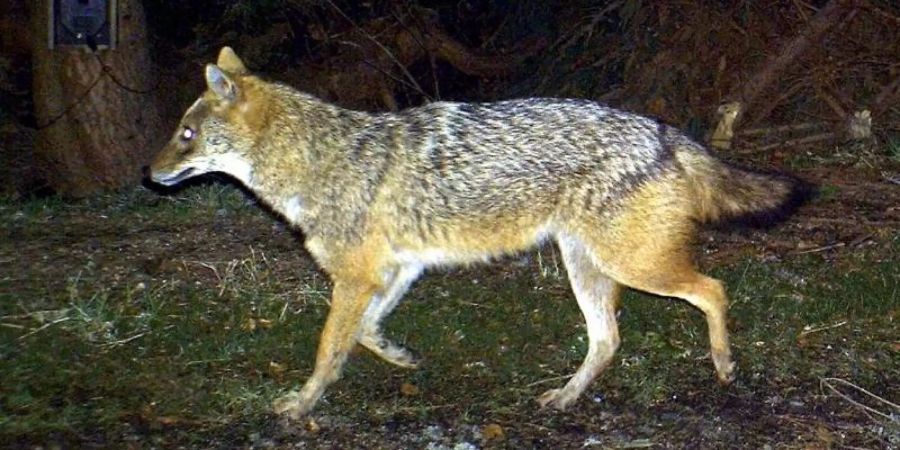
(449, 162)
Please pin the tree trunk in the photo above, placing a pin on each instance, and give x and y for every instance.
(98, 114)
(17, 173)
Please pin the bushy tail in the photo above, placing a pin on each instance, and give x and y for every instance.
(727, 193)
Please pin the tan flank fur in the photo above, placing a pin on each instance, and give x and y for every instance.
(382, 197)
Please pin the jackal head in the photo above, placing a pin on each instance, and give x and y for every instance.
(212, 136)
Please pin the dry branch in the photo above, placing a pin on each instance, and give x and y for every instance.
(470, 63)
(781, 129)
(373, 58)
(889, 96)
(793, 142)
(775, 65)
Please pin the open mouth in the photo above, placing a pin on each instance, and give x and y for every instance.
(173, 179)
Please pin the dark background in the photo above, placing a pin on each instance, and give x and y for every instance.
(800, 69)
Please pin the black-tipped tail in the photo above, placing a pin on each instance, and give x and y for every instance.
(796, 193)
(732, 195)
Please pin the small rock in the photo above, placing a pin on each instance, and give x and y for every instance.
(433, 432)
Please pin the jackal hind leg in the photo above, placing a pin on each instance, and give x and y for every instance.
(350, 298)
(597, 296)
(706, 294)
(380, 307)
(668, 271)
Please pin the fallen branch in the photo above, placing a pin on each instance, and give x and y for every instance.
(820, 249)
(792, 142)
(853, 221)
(781, 128)
(893, 417)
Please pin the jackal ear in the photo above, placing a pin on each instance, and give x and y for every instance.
(229, 61)
(220, 83)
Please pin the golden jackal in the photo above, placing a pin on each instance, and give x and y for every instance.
(381, 197)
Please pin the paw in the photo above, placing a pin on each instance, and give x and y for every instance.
(725, 373)
(291, 405)
(390, 352)
(724, 367)
(556, 398)
(405, 358)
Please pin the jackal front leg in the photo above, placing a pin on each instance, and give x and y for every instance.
(342, 330)
(381, 305)
(597, 296)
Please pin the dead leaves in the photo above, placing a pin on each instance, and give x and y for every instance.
(409, 390)
(493, 432)
(251, 324)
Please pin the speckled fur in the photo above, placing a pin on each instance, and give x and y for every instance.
(381, 197)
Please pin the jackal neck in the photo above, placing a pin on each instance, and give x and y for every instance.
(301, 164)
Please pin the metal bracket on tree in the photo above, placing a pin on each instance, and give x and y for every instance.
(91, 23)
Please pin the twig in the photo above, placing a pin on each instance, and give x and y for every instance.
(827, 382)
(827, 327)
(43, 327)
(418, 38)
(792, 142)
(764, 111)
(205, 361)
(886, 97)
(547, 380)
(383, 48)
(33, 314)
(126, 340)
(882, 13)
(820, 249)
(854, 221)
(780, 128)
(852, 244)
(283, 311)
(792, 50)
(425, 408)
(830, 101)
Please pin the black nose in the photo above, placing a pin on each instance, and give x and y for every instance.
(145, 171)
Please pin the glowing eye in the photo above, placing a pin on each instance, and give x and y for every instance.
(187, 134)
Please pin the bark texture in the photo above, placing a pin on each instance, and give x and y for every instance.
(97, 114)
